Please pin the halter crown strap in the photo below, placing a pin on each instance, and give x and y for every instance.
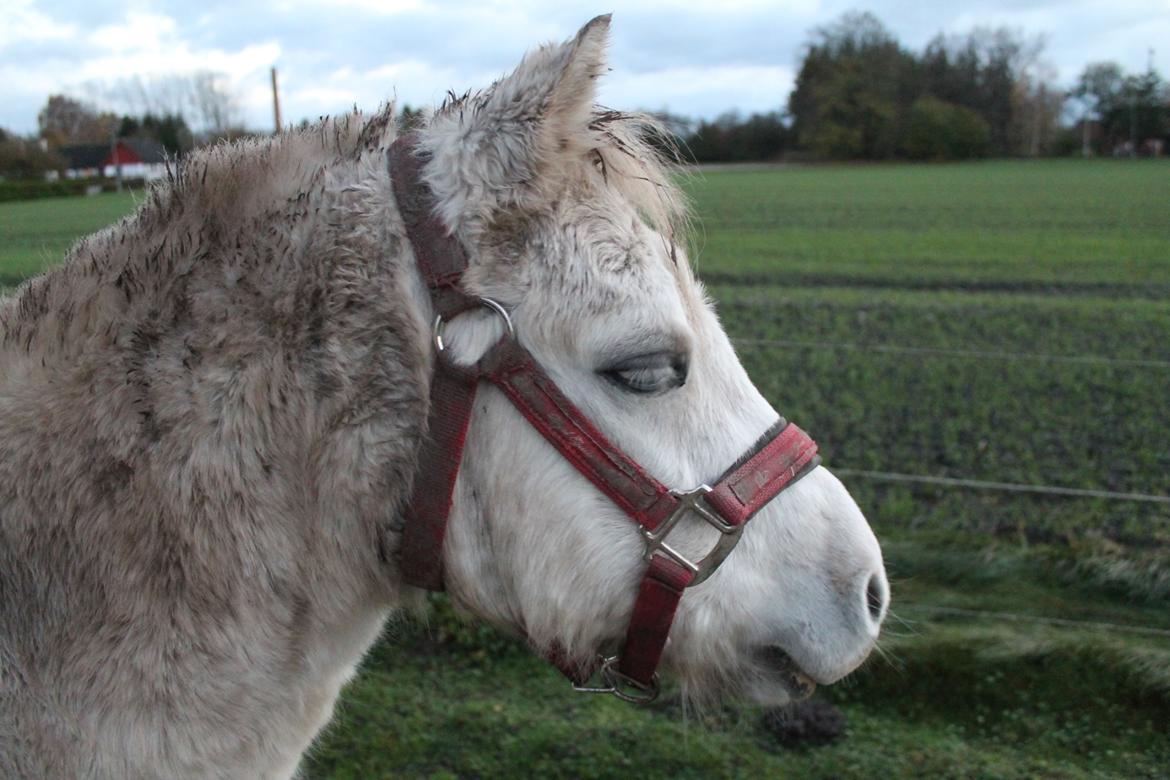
(440, 257)
(782, 456)
(442, 261)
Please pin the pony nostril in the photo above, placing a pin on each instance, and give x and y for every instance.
(876, 594)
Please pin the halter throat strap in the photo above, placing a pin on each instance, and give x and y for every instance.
(781, 457)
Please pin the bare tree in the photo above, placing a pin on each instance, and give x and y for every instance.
(1099, 91)
(26, 158)
(204, 100)
(65, 120)
(217, 108)
(1037, 105)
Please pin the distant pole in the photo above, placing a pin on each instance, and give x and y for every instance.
(1037, 118)
(114, 154)
(275, 101)
(1133, 136)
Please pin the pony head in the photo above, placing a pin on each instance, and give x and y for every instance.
(571, 220)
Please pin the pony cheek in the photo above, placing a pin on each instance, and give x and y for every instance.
(532, 546)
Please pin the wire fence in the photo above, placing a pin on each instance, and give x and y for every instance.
(936, 612)
(1015, 617)
(966, 353)
(1010, 487)
(967, 483)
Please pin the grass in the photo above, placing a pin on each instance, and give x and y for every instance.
(998, 321)
(897, 313)
(835, 360)
(998, 224)
(961, 701)
(35, 234)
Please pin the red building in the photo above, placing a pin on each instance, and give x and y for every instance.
(141, 158)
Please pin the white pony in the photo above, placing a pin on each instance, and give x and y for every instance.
(210, 418)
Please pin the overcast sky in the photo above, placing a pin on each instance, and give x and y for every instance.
(693, 58)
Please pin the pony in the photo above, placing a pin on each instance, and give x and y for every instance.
(211, 416)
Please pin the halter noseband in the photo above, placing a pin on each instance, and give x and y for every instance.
(783, 455)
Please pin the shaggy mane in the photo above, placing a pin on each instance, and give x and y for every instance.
(641, 161)
(227, 189)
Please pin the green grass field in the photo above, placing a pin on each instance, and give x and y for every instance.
(35, 234)
(1001, 321)
(1000, 225)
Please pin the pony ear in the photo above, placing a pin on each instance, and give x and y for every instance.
(551, 92)
(499, 144)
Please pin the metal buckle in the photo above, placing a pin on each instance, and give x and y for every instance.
(693, 501)
(621, 686)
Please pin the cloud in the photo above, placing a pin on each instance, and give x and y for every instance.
(411, 82)
(693, 58)
(691, 90)
(147, 45)
(379, 7)
(25, 24)
(151, 44)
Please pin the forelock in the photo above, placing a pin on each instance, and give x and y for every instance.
(639, 161)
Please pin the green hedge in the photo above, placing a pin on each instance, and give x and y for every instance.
(944, 131)
(31, 189)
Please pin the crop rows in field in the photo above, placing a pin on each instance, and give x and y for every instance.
(1032, 422)
(1003, 322)
(1074, 327)
(1018, 418)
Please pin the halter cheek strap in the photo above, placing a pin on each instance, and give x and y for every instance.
(783, 455)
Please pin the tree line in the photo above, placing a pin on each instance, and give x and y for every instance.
(861, 95)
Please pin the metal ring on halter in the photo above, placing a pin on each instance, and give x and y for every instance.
(627, 688)
(437, 328)
(621, 686)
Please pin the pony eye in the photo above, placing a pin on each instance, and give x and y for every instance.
(649, 374)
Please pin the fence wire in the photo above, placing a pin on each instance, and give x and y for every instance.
(1011, 487)
(1016, 617)
(977, 484)
(967, 353)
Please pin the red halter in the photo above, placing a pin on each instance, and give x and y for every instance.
(783, 455)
